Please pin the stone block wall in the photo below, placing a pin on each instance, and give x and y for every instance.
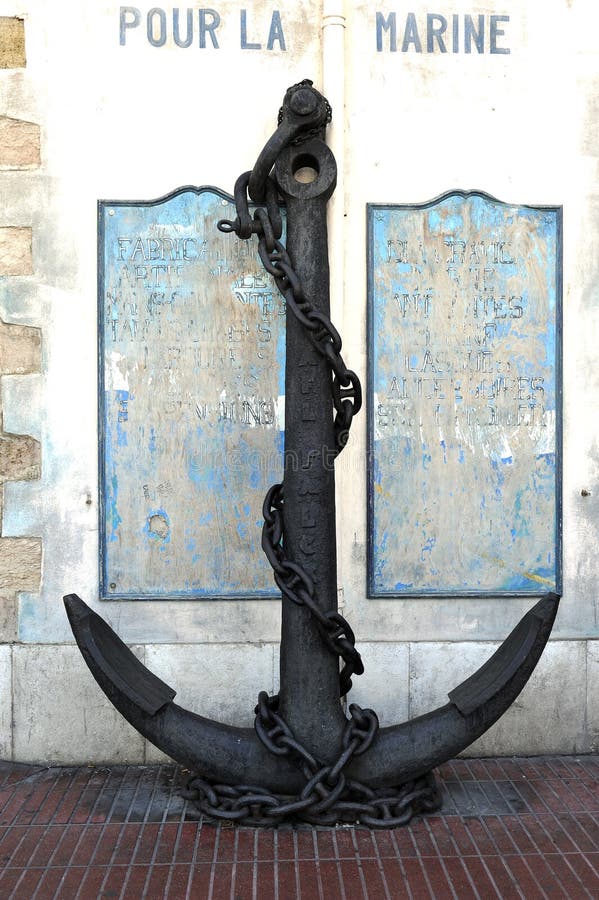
(20, 348)
(217, 656)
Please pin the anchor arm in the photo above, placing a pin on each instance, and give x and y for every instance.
(405, 751)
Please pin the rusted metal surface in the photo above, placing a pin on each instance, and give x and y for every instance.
(465, 397)
(191, 406)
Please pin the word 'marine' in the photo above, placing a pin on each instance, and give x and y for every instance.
(441, 34)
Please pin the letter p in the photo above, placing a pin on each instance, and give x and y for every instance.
(129, 17)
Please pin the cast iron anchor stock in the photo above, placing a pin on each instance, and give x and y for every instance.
(305, 760)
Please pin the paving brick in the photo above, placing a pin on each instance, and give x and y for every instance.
(395, 877)
(345, 845)
(107, 844)
(286, 880)
(524, 878)
(503, 879)
(65, 848)
(527, 855)
(51, 884)
(416, 880)
(304, 844)
(422, 839)
(308, 878)
(546, 877)
(9, 879)
(352, 883)
(265, 880)
(242, 881)
(146, 845)
(202, 879)
(383, 843)
(374, 879)
(115, 881)
(188, 839)
(586, 866)
(479, 876)
(329, 876)
(266, 843)
(92, 882)
(165, 852)
(405, 844)
(565, 875)
(457, 874)
(222, 883)
(83, 854)
(155, 883)
(285, 844)
(10, 841)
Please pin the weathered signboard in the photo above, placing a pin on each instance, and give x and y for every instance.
(464, 389)
(191, 400)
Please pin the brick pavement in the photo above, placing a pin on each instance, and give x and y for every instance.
(510, 828)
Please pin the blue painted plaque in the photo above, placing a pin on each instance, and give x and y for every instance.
(191, 400)
(464, 396)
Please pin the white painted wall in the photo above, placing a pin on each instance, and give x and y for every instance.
(137, 121)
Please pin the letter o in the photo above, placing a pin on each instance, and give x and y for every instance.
(154, 13)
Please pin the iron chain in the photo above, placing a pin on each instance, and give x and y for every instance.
(328, 796)
(295, 583)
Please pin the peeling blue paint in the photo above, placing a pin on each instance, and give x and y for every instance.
(192, 374)
(464, 369)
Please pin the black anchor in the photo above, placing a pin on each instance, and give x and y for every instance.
(305, 759)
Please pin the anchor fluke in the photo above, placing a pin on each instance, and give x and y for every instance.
(112, 661)
(515, 658)
(222, 752)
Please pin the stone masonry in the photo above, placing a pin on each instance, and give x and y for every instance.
(20, 345)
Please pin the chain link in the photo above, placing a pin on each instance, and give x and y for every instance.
(328, 796)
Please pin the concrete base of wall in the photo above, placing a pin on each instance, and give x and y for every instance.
(52, 711)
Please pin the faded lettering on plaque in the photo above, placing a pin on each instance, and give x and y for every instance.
(464, 312)
(191, 400)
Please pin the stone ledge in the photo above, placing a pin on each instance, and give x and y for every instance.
(20, 563)
(20, 458)
(19, 144)
(20, 346)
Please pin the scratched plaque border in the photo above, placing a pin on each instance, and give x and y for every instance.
(105, 593)
(421, 592)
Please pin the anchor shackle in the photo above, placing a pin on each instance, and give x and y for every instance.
(304, 113)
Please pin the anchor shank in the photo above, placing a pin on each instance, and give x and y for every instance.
(309, 691)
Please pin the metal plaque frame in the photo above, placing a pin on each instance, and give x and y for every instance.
(524, 584)
(109, 588)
